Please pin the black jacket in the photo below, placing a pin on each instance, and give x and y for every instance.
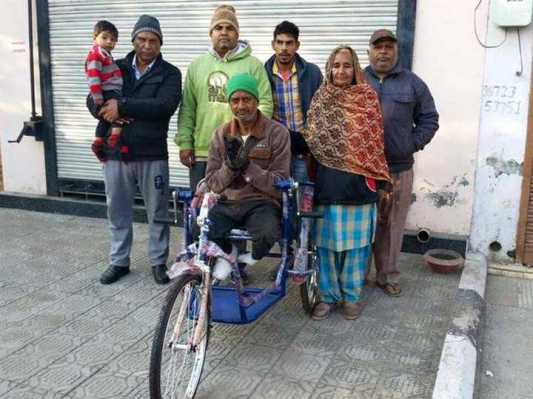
(309, 80)
(334, 186)
(150, 102)
(410, 118)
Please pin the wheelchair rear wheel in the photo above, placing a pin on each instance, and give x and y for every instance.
(175, 365)
(309, 291)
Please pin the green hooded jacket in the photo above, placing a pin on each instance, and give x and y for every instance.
(204, 106)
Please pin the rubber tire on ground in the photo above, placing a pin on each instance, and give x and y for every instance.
(159, 336)
(309, 291)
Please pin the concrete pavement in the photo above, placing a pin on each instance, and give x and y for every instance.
(506, 358)
(64, 335)
(456, 375)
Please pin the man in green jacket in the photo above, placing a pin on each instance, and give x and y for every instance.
(204, 105)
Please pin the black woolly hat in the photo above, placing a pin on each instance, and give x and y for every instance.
(147, 23)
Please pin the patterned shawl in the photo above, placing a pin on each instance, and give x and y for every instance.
(344, 126)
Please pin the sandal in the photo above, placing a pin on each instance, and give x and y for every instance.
(351, 310)
(322, 311)
(390, 289)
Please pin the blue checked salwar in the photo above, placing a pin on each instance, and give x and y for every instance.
(344, 238)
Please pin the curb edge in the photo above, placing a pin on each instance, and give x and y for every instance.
(456, 374)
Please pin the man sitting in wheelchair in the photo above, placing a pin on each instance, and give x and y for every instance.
(246, 158)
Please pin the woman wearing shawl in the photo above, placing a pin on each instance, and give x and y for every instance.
(345, 135)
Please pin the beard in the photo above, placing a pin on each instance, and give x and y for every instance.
(285, 59)
(247, 118)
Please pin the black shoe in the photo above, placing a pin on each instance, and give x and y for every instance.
(113, 273)
(160, 274)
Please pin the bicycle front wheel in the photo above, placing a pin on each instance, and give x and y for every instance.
(176, 364)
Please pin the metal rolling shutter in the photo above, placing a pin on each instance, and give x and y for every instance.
(323, 25)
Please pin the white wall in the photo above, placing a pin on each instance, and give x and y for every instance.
(504, 112)
(449, 59)
(23, 164)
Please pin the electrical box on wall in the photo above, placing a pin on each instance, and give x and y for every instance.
(509, 13)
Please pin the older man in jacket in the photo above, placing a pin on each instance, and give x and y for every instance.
(410, 122)
(246, 157)
(151, 95)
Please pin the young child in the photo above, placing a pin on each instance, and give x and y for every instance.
(105, 82)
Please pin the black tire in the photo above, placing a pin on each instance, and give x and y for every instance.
(162, 355)
(309, 291)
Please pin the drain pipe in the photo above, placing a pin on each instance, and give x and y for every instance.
(32, 72)
(33, 127)
(423, 236)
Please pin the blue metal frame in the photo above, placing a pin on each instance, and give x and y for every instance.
(236, 304)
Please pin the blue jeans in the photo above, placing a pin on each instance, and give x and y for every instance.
(299, 169)
(196, 173)
(299, 174)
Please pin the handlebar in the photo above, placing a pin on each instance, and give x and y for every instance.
(288, 184)
(285, 185)
(282, 185)
(184, 195)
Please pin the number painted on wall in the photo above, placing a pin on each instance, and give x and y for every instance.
(501, 99)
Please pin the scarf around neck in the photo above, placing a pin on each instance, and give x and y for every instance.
(345, 128)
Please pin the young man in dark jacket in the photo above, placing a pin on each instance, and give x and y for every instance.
(410, 122)
(151, 95)
(293, 81)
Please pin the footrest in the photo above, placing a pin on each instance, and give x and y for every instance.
(225, 305)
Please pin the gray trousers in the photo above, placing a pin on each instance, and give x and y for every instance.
(121, 181)
(388, 241)
(196, 173)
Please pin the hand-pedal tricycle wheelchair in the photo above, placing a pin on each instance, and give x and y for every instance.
(193, 301)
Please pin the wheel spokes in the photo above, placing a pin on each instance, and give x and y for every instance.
(184, 361)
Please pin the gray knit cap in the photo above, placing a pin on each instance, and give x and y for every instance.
(147, 23)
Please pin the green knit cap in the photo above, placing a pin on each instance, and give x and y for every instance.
(242, 82)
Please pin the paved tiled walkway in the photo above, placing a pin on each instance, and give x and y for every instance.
(505, 361)
(64, 335)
